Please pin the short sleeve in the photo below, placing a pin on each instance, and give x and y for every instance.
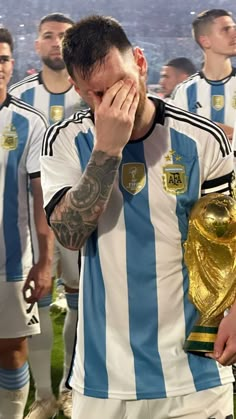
(60, 164)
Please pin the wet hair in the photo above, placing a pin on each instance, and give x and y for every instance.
(182, 64)
(88, 42)
(55, 17)
(204, 19)
(6, 37)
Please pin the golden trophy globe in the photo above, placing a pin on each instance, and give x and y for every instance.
(210, 256)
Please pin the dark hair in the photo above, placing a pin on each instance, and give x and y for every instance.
(55, 17)
(205, 18)
(87, 43)
(183, 64)
(6, 37)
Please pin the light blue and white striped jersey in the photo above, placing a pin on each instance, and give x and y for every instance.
(215, 100)
(21, 134)
(134, 309)
(55, 106)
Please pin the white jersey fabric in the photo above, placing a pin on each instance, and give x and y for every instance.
(21, 133)
(134, 309)
(215, 100)
(55, 106)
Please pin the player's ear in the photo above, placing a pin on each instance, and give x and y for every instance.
(204, 41)
(140, 60)
(77, 89)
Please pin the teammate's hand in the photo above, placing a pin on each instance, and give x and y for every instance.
(114, 116)
(38, 283)
(225, 345)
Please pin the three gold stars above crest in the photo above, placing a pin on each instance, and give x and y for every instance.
(170, 155)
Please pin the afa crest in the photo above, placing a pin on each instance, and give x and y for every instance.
(174, 178)
(9, 138)
(218, 102)
(133, 177)
(56, 113)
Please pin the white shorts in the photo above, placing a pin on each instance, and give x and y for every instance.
(67, 260)
(15, 321)
(215, 403)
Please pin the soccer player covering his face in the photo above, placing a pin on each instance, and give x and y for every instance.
(119, 182)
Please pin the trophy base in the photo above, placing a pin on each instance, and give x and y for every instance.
(201, 340)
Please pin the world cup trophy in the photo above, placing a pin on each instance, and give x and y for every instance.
(210, 256)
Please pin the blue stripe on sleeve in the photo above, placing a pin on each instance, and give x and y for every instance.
(192, 97)
(28, 96)
(84, 145)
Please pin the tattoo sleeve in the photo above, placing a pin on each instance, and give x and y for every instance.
(76, 216)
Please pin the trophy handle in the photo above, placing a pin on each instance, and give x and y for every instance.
(201, 339)
(203, 335)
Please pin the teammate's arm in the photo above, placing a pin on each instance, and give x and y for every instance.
(39, 277)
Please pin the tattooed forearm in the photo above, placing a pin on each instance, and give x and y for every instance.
(76, 216)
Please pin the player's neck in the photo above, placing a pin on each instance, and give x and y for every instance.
(217, 67)
(145, 122)
(3, 95)
(55, 81)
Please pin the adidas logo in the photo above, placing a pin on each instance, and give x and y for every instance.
(198, 105)
(33, 320)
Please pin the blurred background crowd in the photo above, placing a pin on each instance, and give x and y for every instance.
(162, 29)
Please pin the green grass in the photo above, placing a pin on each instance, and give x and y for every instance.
(57, 360)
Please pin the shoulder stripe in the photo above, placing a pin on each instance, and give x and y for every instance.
(24, 81)
(189, 80)
(218, 182)
(53, 131)
(202, 123)
(22, 105)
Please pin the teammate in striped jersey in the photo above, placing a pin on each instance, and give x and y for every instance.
(49, 90)
(125, 196)
(21, 133)
(52, 93)
(212, 91)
